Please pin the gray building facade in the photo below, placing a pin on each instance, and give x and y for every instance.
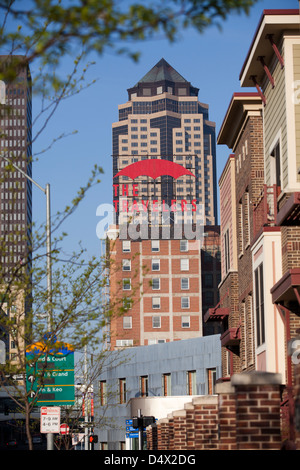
(156, 379)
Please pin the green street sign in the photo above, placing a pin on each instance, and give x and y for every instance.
(50, 374)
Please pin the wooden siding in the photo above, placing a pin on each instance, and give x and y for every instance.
(275, 122)
(296, 63)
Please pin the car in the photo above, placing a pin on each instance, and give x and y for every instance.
(36, 440)
(12, 443)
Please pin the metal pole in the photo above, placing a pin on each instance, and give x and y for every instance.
(86, 418)
(140, 431)
(49, 268)
(46, 191)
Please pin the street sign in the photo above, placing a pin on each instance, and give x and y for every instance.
(50, 419)
(50, 373)
(64, 429)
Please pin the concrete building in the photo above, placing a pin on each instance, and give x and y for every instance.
(15, 190)
(155, 379)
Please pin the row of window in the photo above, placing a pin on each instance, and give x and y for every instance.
(156, 301)
(155, 264)
(155, 246)
(156, 323)
(166, 386)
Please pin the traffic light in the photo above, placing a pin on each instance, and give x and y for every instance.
(93, 439)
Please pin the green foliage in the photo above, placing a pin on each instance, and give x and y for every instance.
(48, 30)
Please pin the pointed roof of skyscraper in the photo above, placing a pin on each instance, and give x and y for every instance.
(166, 79)
(162, 71)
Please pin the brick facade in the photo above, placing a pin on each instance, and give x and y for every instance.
(243, 415)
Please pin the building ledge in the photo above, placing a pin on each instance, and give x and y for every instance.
(285, 291)
(231, 338)
(216, 314)
(289, 214)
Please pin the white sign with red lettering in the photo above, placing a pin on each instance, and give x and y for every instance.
(50, 419)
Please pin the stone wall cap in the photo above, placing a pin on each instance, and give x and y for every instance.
(205, 399)
(256, 378)
(224, 387)
(163, 421)
(188, 406)
(179, 413)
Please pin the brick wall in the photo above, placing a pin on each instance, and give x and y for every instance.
(243, 415)
(290, 237)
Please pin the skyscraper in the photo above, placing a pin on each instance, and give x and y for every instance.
(15, 188)
(164, 164)
(164, 120)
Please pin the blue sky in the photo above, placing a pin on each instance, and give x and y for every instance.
(211, 61)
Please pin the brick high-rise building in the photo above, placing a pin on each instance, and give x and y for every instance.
(163, 158)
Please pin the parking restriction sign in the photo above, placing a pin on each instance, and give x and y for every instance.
(50, 419)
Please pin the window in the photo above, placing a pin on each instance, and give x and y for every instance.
(211, 381)
(144, 386)
(185, 302)
(103, 392)
(184, 245)
(127, 322)
(124, 342)
(185, 283)
(226, 251)
(247, 219)
(156, 322)
(127, 303)
(155, 265)
(126, 265)
(126, 246)
(166, 385)
(155, 283)
(185, 321)
(155, 245)
(259, 305)
(191, 382)
(276, 165)
(241, 227)
(184, 264)
(126, 284)
(155, 302)
(122, 391)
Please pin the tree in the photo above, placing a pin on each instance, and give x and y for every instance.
(48, 30)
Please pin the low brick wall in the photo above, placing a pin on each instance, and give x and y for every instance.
(243, 415)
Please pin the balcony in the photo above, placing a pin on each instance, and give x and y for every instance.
(231, 338)
(289, 213)
(265, 209)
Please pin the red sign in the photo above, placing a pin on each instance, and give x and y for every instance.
(154, 169)
(64, 429)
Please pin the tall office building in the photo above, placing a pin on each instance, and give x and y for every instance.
(164, 166)
(15, 188)
(163, 120)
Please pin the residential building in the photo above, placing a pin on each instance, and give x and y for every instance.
(260, 223)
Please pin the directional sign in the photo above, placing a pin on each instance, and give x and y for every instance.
(50, 419)
(50, 373)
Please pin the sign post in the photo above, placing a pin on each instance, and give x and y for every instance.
(50, 376)
(50, 419)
